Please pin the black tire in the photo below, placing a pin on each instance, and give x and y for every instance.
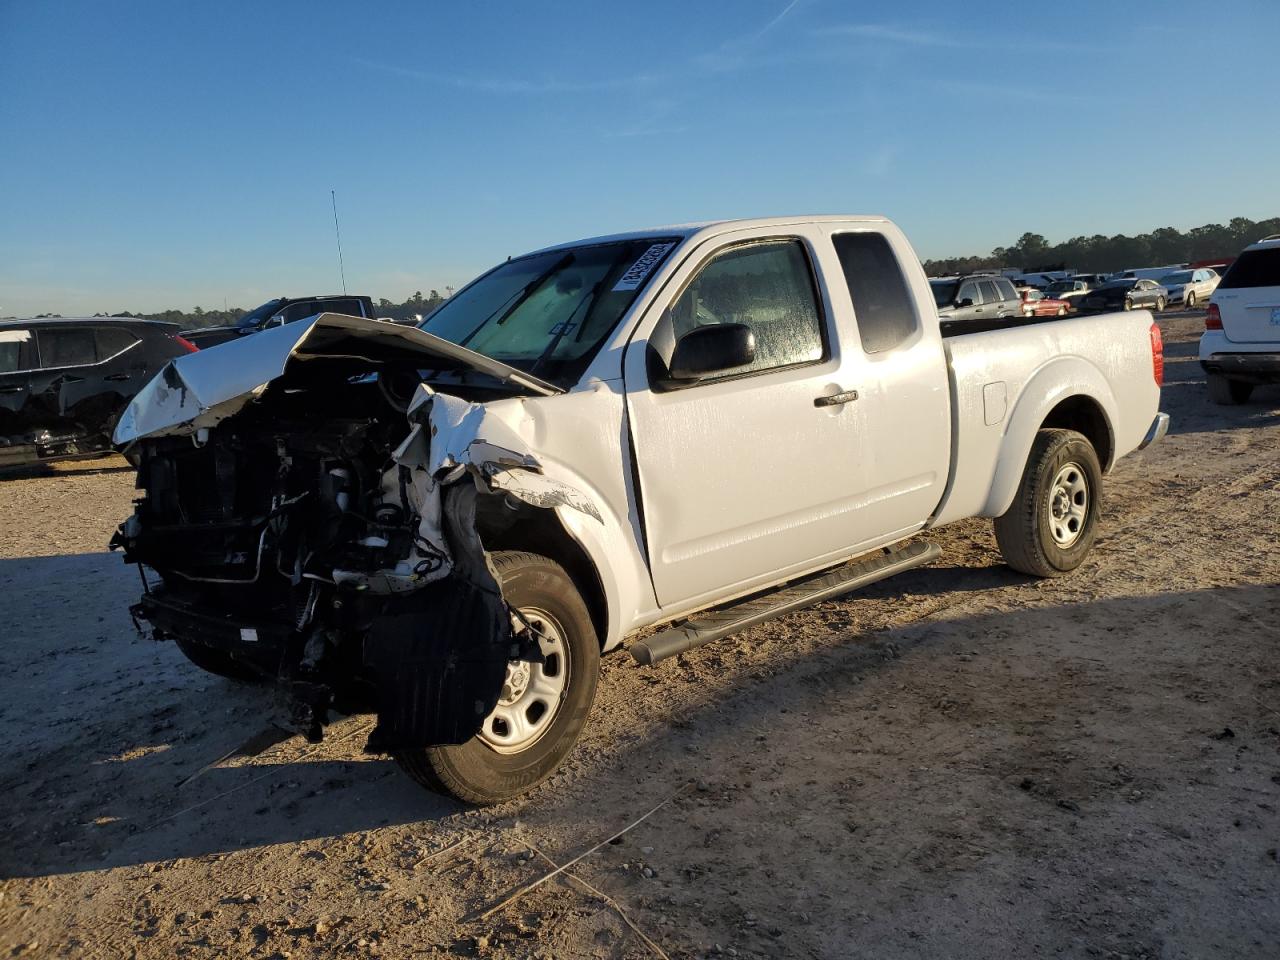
(1190, 300)
(215, 661)
(1025, 531)
(1159, 304)
(1228, 392)
(476, 773)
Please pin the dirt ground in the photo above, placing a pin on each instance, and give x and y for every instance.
(959, 763)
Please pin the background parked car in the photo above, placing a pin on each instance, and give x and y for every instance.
(282, 310)
(1240, 348)
(1190, 286)
(1036, 304)
(1127, 294)
(64, 382)
(1070, 290)
(979, 297)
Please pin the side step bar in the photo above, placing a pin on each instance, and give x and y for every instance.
(723, 621)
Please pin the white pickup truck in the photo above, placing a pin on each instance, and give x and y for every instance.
(449, 525)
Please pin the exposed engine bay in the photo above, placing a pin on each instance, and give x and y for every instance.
(322, 529)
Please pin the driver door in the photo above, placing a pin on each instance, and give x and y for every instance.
(758, 472)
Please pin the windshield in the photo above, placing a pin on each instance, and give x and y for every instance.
(1121, 284)
(258, 315)
(1183, 277)
(548, 313)
(1058, 286)
(944, 291)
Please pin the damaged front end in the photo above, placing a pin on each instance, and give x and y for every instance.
(310, 515)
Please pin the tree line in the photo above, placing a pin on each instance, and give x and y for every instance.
(1101, 254)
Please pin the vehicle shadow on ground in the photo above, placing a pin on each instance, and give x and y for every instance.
(40, 471)
(1184, 376)
(103, 788)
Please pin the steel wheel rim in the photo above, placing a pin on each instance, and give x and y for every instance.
(532, 693)
(1068, 504)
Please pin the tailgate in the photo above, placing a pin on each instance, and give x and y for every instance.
(1249, 297)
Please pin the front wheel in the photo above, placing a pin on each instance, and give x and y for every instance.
(1052, 523)
(1062, 311)
(1128, 304)
(1159, 304)
(1191, 299)
(542, 707)
(1228, 392)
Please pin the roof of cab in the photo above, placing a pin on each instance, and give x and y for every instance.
(705, 229)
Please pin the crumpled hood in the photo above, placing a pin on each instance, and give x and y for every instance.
(201, 389)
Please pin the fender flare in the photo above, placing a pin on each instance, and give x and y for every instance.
(1058, 380)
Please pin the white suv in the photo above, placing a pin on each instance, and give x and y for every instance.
(1240, 347)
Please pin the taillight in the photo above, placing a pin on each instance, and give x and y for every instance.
(1157, 355)
(1213, 319)
(185, 344)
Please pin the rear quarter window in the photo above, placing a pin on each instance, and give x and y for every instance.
(882, 304)
(113, 341)
(1253, 268)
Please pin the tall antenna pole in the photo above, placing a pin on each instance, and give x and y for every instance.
(342, 271)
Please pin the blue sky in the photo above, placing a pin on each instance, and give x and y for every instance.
(173, 154)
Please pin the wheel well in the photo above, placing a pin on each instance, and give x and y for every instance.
(505, 525)
(1084, 415)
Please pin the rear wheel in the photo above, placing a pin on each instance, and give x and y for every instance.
(542, 707)
(1052, 523)
(1228, 392)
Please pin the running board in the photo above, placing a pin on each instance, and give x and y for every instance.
(723, 621)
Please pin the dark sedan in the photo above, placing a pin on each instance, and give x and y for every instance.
(1130, 294)
(64, 382)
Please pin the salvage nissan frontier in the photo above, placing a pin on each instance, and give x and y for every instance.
(673, 433)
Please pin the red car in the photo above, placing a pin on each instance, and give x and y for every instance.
(1036, 304)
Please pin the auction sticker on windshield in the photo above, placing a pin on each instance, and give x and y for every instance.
(641, 269)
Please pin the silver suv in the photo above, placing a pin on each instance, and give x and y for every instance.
(978, 297)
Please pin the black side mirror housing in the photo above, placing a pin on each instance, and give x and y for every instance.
(711, 349)
(966, 302)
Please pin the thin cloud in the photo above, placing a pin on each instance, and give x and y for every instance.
(728, 56)
(892, 34)
(511, 85)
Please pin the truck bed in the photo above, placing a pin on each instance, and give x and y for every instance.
(1007, 376)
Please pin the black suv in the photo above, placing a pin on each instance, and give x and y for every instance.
(977, 297)
(64, 382)
(282, 310)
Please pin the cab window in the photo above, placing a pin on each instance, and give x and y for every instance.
(769, 287)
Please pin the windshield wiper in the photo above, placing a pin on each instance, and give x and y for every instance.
(513, 303)
(565, 325)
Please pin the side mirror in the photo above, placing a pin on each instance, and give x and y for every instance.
(966, 302)
(711, 349)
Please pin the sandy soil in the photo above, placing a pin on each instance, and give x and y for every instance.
(960, 763)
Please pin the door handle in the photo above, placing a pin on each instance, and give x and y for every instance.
(117, 376)
(12, 389)
(835, 399)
